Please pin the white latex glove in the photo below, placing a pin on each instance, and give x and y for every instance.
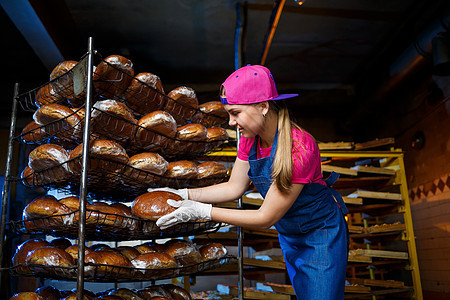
(183, 193)
(188, 210)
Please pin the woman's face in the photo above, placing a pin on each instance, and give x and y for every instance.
(247, 118)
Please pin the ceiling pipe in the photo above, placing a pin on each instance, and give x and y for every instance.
(409, 62)
(273, 23)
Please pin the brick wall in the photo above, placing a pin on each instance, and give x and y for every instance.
(428, 174)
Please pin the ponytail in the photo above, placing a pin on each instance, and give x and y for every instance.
(283, 162)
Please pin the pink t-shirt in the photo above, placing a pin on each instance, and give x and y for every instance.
(307, 163)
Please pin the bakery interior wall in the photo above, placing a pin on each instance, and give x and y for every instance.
(415, 112)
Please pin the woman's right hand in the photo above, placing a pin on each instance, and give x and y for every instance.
(183, 193)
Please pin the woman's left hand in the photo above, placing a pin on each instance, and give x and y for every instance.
(187, 210)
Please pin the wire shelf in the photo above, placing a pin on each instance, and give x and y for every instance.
(108, 179)
(109, 273)
(102, 226)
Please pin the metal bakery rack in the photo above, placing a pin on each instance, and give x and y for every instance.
(94, 182)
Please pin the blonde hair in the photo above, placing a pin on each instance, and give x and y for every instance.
(283, 162)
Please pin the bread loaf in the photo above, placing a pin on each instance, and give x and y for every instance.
(189, 138)
(26, 296)
(112, 157)
(184, 252)
(20, 256)
(211, 169)
(50, 256)
(182, 104)
(211, 114)
(144, 166)
(62, 79)
(47, 95)
(126, 294)
(155, 130)
(61, 243)
(113, 120)
(32, 133)
(178, 293)
(155, 292)
(73, 251)
(181, 169)
(47, 156)
(30, 178)
(59, 121)
(153, 205)
(149, 247)
(112, 76)
(47, 206)
(216, 134)
(145, 93)
(128, 251)
(48, 293)
(212, 251)
(108, 258)
(154, 260)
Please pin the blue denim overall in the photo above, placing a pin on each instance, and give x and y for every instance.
(313, 233)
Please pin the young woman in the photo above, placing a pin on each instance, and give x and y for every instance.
(282, 161)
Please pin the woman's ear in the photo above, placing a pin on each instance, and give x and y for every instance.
(265, 107)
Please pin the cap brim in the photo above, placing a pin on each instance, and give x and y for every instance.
(284, 96)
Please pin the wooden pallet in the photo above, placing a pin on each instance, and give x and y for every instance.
(380, 253)
(277, 262)
(376, 195)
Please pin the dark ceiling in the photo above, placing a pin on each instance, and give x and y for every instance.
(343, 57)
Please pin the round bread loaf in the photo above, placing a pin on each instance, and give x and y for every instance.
(145, 93)
(61, 243)
(212, 251)
(71, 202)
(126, 294)
(210, 114)
(48, 293)
(149, 248)
(73, 251)
(144, 166)
(128, 222)
(113, 120)
(48, 156)
(155, 130)
(59, 120)
(154, 260)
(155, 292)
(26, 296)
(47, 95)
(181, 169)
(102, 247)
(211, 169)
(113, 75)
(216, 134)
(189, 138)
(182, 104)
(29, 178)
(32, 133)
(184, 252)
(50, 256)
(62, 79)
(112, 157)
(20, 256)
(128, 251)
(153, 205)
(178, 293)
(103, 214)
(108, 258)
(47, 206)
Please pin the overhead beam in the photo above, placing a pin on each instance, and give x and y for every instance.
(28, 23)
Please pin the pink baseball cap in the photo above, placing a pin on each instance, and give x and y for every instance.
(251, 84)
